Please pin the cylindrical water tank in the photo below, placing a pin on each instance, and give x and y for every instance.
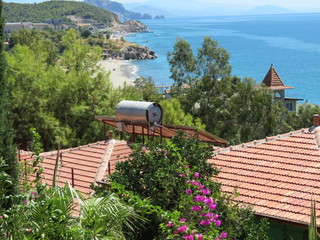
(137, 112)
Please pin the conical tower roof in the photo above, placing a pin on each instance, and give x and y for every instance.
(273, 80)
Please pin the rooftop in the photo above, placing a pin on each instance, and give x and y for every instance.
(277, 176)
(273, 80)
(83, 165)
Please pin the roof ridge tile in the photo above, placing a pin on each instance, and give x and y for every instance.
(261, 141)
(105, 160)
(316, 133)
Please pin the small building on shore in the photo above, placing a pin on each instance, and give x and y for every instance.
(10, 27)
(274, 82)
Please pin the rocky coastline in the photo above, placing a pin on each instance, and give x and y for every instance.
(132, 52)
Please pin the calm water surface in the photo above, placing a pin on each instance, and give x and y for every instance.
(290, 42)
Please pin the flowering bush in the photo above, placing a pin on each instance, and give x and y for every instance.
(198, 209)
(177, 177)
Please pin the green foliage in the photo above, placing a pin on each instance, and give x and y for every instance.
(303, 117)
(313, 232)
(155, 174)
(234, 109)
(7, 147)
(70, 91)
(174, 114)
(5, 183)
(50, 215)
(16, 12)
(142, 207)
(148, 89)
(159, 175)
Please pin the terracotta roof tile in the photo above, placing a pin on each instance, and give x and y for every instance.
(90, 163)
(273, 80)
(277, 176)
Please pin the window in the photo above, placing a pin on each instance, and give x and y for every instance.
(277, 95)
(289, 106)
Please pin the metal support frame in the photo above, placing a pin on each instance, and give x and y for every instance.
(133, 133)
(105, 132)
(109, 168)
(142, 134)
(72, 177)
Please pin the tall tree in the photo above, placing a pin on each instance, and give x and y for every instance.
(233, 108)
(7, 148)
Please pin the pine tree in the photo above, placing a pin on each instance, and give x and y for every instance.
(7, 147)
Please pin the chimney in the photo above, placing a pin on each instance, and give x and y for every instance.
(316, 120)
(110, 134)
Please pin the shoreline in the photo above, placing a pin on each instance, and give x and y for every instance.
(121, 72)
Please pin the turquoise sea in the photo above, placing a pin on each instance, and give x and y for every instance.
(290, 42)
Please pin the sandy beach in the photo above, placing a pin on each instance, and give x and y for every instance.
(120, 72)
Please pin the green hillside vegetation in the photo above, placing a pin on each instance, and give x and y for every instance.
(15, 12)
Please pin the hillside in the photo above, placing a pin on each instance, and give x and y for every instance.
(119, 9)
(39, 12)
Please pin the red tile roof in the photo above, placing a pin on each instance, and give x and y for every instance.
(277, 176)
(90, 163)
(273, 80)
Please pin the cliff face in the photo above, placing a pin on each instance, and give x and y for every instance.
(131, 26)
(130, 53)
(118, 9)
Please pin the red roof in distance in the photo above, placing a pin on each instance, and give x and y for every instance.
(273, 80)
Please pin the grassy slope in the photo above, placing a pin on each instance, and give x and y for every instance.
(15, 12)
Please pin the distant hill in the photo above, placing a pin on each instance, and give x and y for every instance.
(118, 9)
(153, 11)
(269, 9)
(64, 10)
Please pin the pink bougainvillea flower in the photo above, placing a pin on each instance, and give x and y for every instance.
(196, 208)
(212, 206)
(188, 181)
(206, 191)
(223, 235)
(170, 224)
(183, 220)
(195, 183)
(188, 237)
(199, 237)
(196, 175)
(181, 175)
(204, 222)
(187, 166)
(200, 186)
(208, 201)
(198, 198)
(182, 228)
(188, 191)
(216, 216)
(218, 223)
(208, 215)
(25, 201)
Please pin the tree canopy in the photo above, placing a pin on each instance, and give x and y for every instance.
(232, 108)
(39, 12)
(8, 160)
